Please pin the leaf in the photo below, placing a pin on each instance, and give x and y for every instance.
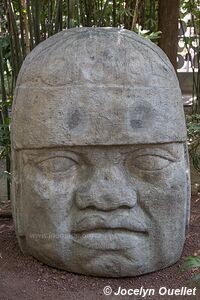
(195, 278)
(190, 263)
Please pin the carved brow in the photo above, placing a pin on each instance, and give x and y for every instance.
(155, 151)
(44, 157)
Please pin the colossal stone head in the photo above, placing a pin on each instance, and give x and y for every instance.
(100, 167)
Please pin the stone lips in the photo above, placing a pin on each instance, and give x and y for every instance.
(92, 79)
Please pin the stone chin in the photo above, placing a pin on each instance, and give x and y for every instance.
(135, 261)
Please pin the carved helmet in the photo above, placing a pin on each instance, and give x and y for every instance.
(90, 86)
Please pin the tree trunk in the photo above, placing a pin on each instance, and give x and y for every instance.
(168, 24)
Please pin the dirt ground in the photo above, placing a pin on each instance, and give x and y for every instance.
(23, 277)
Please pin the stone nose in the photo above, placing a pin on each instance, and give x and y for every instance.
(106, 194)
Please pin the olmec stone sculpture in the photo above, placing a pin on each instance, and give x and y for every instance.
(100, 167)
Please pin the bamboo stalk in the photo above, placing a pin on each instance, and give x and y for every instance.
(88, 13)
(58, 20)
(102, 13)
(26, 30)
(37, 21)
(82, 18)
(43, 23)
(68, 14)
(30, 24)
(15, 43)
(78, 13)
(3, 89)
(114, 13)
(71, 10)
(61, 16)
(50, 12)
(135, 15)
(143, 9)
(22, 29)
(4, 115)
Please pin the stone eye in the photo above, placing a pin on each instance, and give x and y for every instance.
(57, 164)
(150, 162)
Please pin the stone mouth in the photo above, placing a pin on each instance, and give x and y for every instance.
(110, 239)
(110, 229)
(106, 222)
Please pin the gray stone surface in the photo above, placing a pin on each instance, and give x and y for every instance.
(100, 164)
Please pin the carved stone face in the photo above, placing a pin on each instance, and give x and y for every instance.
(100, 169)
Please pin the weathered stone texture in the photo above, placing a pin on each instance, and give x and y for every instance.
(100, 163)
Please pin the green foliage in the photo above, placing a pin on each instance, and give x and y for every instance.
(193, 121)
(192, 263)
(193, 130)
(4, 140)
(191, 8)
(153, 36)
